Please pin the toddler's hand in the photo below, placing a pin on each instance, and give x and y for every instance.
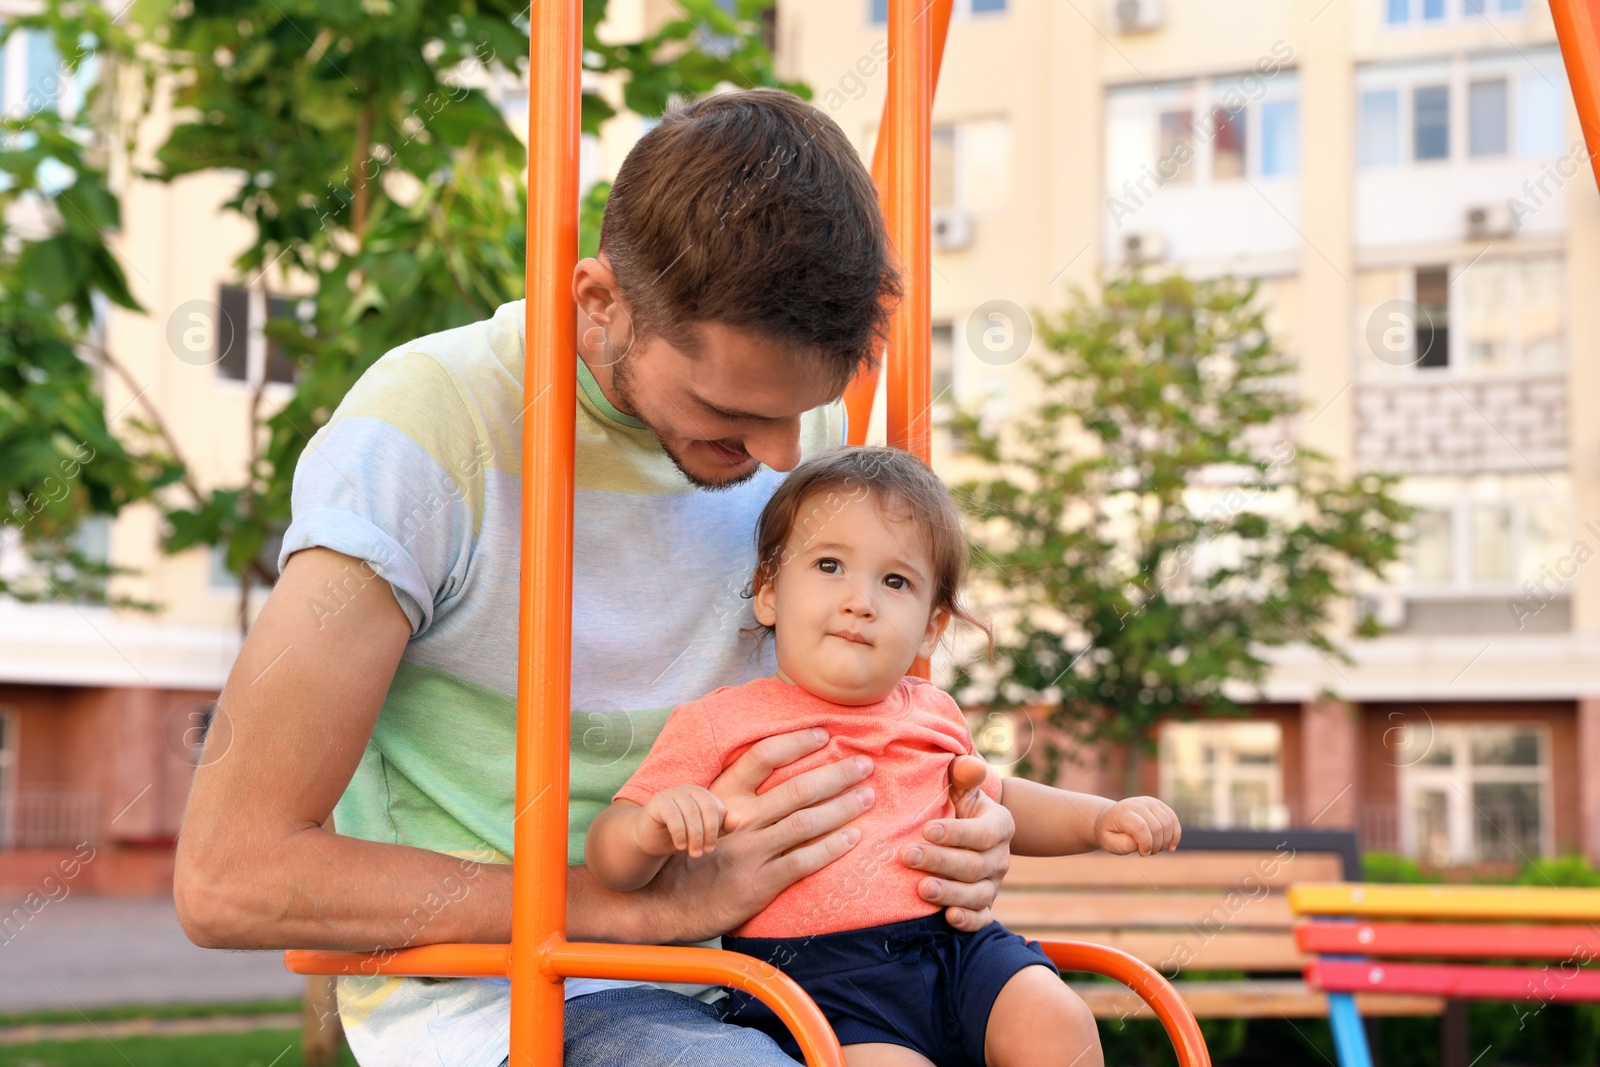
(1138, 824)
(683, 818)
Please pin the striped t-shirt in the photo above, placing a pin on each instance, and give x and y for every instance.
(419, 473)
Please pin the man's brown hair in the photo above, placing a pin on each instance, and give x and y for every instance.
(903, 488)
(752, 210)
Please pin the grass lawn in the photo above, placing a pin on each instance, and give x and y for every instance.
(256, 1048)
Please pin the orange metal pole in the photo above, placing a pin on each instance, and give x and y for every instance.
(544, 637)
(1578, 30)
(910, 101)
(863, 388)
(1144, 980)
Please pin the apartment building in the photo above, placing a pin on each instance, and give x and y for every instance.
(1406, 181)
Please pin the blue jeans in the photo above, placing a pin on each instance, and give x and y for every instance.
(643, 1026)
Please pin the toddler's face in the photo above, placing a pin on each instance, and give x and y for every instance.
(853, 602)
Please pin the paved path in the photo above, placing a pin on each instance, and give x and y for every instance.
(84, 951)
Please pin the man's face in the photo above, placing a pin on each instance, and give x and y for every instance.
(722, 413)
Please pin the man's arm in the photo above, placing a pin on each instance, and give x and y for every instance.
(255, 868)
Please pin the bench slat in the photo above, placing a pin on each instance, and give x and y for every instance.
(1185, 951)
(1204, 909)
(1174, 870)
(1449, 939)
(1257, 999)
(1455, 980)
(1530, 903)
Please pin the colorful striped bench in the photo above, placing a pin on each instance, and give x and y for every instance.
(1437, 940)
(1216, 904)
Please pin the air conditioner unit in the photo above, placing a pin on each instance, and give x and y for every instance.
(1489, 220)
(1136, 16)
(1145, 247)
(952, 229)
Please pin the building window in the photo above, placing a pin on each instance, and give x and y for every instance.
(1480, 318)
(1430, 13)
(1247, 127)
(942, 167)
(969, 166)
(1478, 793)
(1432, 332)
(1541, 116)
(1228, 142)
(1489, 535)
(1506, 106)
(1380, 128)
(1280, 138)
(1486, 118)
(243, 351)
(878, 10)
(1430, 122)
(1175, 145)
(1221, 775)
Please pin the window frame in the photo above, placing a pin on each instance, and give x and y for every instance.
(257, 346)
(1413, 778)
(961, 9)
(1202, 97)
(1452, 13)
(1457, 74)
(1457, 367)
(1219, 775)
(1455, 496)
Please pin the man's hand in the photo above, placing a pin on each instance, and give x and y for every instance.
(1138, 824)
(967, 855)
(776, 839)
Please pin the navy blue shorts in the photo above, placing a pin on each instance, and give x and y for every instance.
(920, 983)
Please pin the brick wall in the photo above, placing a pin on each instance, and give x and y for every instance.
(1462, 427)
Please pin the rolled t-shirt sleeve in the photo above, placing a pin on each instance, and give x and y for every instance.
(685, 753)
(395, 479)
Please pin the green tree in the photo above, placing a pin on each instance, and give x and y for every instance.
(1151, 528)
(368, 167)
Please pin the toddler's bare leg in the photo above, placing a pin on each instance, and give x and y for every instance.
(878, 1054)
(1037, 1021)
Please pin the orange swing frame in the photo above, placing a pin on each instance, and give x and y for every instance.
(539, 956)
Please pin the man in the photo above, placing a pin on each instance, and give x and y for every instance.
(742, 279)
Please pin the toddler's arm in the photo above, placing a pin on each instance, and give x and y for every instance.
(1056, 822)
(627, 844)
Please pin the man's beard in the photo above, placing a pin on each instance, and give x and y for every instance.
(622, 382)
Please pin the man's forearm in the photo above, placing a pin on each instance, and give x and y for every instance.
(316, 889)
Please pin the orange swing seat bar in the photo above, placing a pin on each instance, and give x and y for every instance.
(539, 957)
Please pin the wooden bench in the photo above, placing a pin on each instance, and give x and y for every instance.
(1366, 939)
(1216, 904)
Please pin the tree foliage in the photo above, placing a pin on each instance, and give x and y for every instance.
(373, 170)
(1152, 527)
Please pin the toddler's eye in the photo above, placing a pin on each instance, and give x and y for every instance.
(828, 565)
(896, 581)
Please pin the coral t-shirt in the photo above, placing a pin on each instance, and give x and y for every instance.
(911, 736)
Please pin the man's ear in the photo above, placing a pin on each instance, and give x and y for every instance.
(594, 288)
(765, 602)
(936, 627)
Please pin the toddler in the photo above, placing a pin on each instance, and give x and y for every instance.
(860, 561)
